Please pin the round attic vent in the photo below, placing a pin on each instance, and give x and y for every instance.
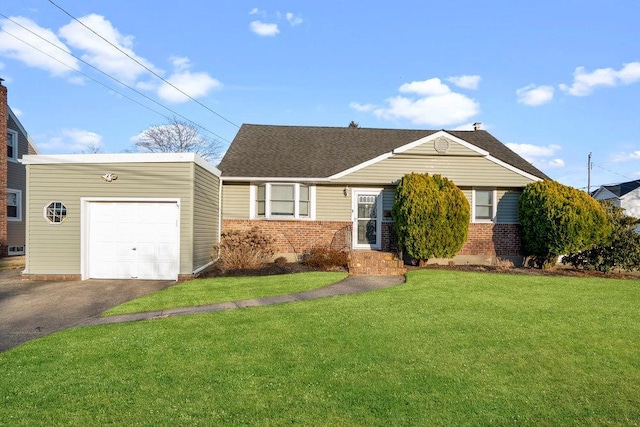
(441, 145)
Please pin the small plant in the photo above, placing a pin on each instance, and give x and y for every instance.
(280, 260)
(244, 249)
(326, 258)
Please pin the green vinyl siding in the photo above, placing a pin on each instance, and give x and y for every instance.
(463, 171)
(235, 200)
(508, 206)
(332, 204)
(205, 216)
(55, 248)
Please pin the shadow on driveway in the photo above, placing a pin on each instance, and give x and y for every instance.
(30, 309)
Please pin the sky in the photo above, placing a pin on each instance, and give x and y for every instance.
(553, 80)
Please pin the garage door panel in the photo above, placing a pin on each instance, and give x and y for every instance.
(133, 240)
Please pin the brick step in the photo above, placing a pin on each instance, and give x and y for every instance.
(375, 263)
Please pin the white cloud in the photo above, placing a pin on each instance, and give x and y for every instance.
(465, 81)
(254, 11)
(100, 53)
(533, 95)
(293, 20)
(264, 29)
(195, 84)
(35, 52)
(433, 104)
(72, 141)
(625, 157)
(430, 87)
(584, 82)
(539, 155)
(362, 108)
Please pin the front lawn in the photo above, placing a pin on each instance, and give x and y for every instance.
(446, 348)
(223, 289)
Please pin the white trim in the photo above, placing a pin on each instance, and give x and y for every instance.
(16, 145)
(437, 135)
(272, 179)
(84, 224)
(18, 193)
(253, 192)
(494, 206)
(46, 159)
(362, 165)
(355, 192)
(13, 252)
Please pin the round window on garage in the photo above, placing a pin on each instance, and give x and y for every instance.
(55, 212)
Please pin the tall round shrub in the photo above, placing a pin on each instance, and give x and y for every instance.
(431, 216)
(557, 219)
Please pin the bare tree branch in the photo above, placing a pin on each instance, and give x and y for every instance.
(177, 137)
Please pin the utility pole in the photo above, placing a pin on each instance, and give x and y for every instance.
(589, 164)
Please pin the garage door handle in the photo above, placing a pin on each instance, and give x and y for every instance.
(133, 249)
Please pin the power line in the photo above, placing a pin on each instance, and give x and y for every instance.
(107, 75)
(143, 65)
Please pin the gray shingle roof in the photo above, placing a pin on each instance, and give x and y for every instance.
(320, 152)
(623, 188)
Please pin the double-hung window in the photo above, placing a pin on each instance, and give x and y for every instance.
(12, 145)
(14, 205)
(283, 201)
(484, 205)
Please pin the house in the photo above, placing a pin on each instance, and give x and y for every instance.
(625, 195)
(329, 186)
(12, 179)
(120, 216)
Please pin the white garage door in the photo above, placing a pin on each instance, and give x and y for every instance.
(133, 240)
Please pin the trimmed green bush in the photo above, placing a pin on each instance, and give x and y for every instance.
(431, 216)
(557, 219)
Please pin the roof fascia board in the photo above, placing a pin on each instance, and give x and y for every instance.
(48, 159)
(271, 179)
(434, 136)
(23, 130)
(361, 165)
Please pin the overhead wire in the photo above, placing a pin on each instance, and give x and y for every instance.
(175, 113)
(143, 65)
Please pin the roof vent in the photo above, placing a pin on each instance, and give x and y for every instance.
(477, 126)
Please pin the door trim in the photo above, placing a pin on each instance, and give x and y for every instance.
(85, 221)
(354, 217)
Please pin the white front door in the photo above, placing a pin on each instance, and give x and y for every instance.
(367, 216)
(133, 240)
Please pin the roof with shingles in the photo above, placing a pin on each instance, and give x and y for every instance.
(320, 152)
(623, 188)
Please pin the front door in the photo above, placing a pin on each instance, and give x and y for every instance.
(367, 215)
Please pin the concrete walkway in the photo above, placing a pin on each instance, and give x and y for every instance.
(350, 285)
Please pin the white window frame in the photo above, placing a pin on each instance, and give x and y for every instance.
(18, 194)
(253, 194)
(494, 199)
(46, 207)
(14, 144)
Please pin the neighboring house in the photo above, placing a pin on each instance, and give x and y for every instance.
(321, 186)
(12, 181)
(625, 195)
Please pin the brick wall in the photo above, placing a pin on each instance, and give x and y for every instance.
(4, 118)
(502, 240)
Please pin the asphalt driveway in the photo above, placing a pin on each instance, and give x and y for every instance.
(30, 309)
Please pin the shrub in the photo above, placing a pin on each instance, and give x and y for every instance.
(326, 258)
(621, 250)
(431, 216)
(280, 260)
(244, 249)
(557, 219)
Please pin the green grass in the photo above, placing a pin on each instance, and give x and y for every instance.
(223, 289)
(447, 348)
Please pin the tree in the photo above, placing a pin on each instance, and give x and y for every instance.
(354, 124)
(177, 137)
(431, 216)
(557, 219)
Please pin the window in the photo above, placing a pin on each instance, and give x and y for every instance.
(283, 201)
(483, 205)
(12, 145)
(55, 212)
(14, 205)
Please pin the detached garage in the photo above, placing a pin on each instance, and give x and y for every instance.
(120, 216)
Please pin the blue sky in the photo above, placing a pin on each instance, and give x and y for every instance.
(554, 80)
